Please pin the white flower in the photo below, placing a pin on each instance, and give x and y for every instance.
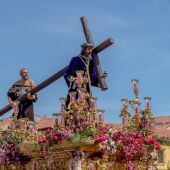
(112, 143)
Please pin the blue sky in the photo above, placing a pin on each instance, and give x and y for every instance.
(44, 35)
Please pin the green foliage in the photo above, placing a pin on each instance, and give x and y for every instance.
(162, 140)
(76, 138)
(89, 132)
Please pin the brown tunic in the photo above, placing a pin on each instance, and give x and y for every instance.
(18, 89)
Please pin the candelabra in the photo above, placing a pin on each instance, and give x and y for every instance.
(59, 120)
(79, 109)
(141, 118)
(125, 114)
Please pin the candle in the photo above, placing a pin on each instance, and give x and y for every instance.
(144, 122)
(148, 102)
(63, 103)
(123, 119)
(72, 96)
(137, 109)
(93, 103)
(56, 121)
(62, 122)
(135, 84)
(135, 87)
(100, 118)
(124, 102)
(15, 108)
(89, 119)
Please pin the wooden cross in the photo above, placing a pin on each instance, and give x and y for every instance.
(60, 73)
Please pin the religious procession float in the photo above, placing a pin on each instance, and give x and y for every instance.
(81, 139)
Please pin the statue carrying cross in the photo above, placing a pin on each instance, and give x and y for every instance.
(59, 74)
(81, 74)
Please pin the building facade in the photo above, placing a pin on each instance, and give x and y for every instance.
(162, 129)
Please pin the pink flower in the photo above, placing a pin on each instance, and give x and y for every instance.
(55, 138)
(101, 138)
(48, 130)
(140, 141)
(153, 140)
(149, 141)
(157, 146)
(42, 140)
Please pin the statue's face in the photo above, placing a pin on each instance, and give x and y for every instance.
(88, 51)
(24, 74)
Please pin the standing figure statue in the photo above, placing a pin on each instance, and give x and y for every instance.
(83, 63)
(18, 89)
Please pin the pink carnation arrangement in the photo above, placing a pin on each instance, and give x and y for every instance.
(54, 136)
(134, 146)
(99, 138)
(129, 143)
(152, 142)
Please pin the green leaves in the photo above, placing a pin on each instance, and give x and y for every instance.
(89, 132)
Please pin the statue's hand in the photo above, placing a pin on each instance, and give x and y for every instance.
(104, 74)
(30, 97)
(11, 103)
(14, 103)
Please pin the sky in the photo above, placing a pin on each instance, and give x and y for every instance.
(43, 35)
